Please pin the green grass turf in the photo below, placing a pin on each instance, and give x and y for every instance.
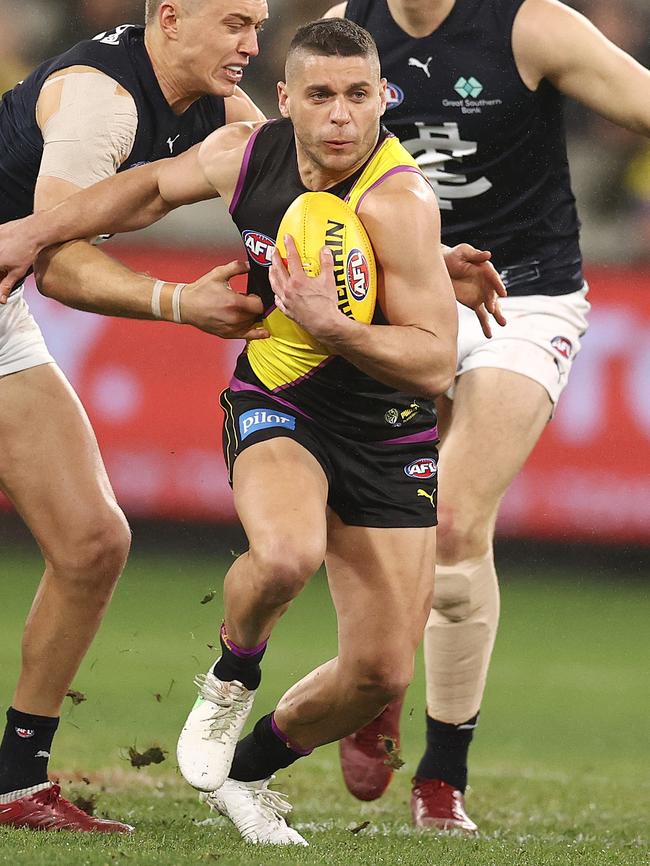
(559, 769)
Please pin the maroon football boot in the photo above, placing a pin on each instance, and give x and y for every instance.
(439, 806)
(369, 757)
(48, 810)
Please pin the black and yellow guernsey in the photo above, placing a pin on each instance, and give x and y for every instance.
(291, 366)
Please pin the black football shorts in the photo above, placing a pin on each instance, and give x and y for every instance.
(370, 484)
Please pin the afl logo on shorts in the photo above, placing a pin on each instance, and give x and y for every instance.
(563, 346)
(425, 467)
(394, 95)
(259, 247)
(358, 274)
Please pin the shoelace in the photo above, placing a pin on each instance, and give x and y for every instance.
(274, 802)
(230, 703)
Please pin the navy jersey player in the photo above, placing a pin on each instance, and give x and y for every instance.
(476, 95)
(129, 96)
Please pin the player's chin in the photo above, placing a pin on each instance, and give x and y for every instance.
(222, 86)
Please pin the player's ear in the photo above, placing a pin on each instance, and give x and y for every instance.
(283, 99)
(168, 20)
(383, 94)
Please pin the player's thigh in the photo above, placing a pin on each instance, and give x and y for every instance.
(50, 465)
(280, 492)
(497, 418)
(381, 582)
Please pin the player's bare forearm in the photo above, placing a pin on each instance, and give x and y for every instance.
(411, 357)
(83, 276)
(408, 358)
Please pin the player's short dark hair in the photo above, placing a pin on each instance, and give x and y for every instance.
(150, 7)
(334, 37)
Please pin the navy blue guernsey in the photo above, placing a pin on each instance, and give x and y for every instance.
(493, 150)
(122, 55)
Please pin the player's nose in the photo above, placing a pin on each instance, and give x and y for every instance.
(249, 45)
(339, 113)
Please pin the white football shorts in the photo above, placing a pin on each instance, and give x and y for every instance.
(540, 340)
(21, 343)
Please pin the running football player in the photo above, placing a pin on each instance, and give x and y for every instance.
(476, 95)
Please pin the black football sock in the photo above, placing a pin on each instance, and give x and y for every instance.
(446, 754)
(238, 663)
(25, 750)
(265, 750)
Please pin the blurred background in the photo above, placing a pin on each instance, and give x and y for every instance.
(151, 390)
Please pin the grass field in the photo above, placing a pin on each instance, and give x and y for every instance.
(559, 769)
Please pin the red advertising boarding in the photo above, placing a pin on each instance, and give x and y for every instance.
(151, 390)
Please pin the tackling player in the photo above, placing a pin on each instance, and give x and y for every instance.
(131, 95)
(328, 435)
(476, 95)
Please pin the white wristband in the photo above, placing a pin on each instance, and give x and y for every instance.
(176, 303)
(155, 299)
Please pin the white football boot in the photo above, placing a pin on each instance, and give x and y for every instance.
(206, 745)
(257, 812)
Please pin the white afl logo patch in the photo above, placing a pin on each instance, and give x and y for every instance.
(394, 95)
(425, 467)
(563, 346)
(358, 274)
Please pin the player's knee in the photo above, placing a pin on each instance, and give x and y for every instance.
(452, 595)
(466, 590)
(382, 681)
(461, 534)
(282, 568)
(95, 557)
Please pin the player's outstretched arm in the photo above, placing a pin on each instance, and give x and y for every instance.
(552, 41)
(416, 351)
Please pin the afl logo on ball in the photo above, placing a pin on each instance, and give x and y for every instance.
(358, 274)
(425, 467)
(394, 95)
(259, 247)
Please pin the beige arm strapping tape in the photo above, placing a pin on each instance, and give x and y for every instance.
(91, 133)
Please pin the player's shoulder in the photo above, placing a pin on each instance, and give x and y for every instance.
(227, 143)
(402, 187)
(100, 75)
(337, 11)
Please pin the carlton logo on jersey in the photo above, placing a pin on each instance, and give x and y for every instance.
(394, 95)
(259, 247)
(420, 470)
(261, 419)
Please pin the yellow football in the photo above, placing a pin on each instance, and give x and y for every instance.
(318, 219)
